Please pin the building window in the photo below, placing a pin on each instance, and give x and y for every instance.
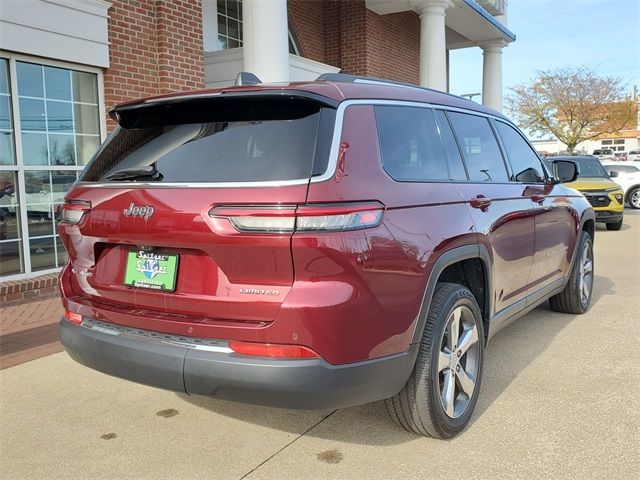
(607, 142)
(50, 126)
(222, 26)
(619, 142)
(229, 24)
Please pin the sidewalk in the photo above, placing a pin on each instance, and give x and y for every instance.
(29, 330)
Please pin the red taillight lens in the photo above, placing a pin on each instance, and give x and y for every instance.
(272, 350)
(73, 317)
(72, 212)
(306, 218)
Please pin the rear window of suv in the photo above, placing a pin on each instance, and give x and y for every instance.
(220, 140)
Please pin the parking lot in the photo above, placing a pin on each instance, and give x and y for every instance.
(559, 400)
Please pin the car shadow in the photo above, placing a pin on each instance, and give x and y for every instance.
(507, 355)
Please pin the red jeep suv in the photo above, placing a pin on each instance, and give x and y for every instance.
(316, 245)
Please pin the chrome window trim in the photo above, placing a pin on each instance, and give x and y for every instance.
(192, 343)
(333, 155)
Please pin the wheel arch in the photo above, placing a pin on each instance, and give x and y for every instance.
(630, 189)
(468, 265)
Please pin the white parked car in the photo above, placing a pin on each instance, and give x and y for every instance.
(627, 175)
(633, 156)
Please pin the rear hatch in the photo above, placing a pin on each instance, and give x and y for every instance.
(148, 226)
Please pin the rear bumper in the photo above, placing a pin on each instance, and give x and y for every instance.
(209, 367)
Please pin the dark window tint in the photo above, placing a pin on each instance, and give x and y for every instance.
(258, 143)
(456, 167)
(410, 146)
(525, 163)
(481, 153)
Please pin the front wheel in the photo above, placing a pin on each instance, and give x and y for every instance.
(442, 391)
(634, 198)
(576, 296)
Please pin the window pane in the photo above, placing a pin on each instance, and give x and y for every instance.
(410, 145)
(222, 41)
(11, 258)
(222, 25)
(34, 148)
(232, 9)
(61, 150)
(86, 147)
(233, 43)
(57, 83)
(456, 167)
(480, 148)
(9, 207)
(4, 76)
(6, 149)
(60, 117)
(29, 80)
(42, 253)
(5, 112)
(38, 186)
(62, 252)
(85, 87)
(87, 119)
(525, 163)
(61, 182)
(232, 29)
(32, 114)
(39, 220)
(222, 8)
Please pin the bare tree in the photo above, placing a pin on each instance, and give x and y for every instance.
(574, 104)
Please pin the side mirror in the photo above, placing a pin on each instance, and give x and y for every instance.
(565, 171)
(613, 174)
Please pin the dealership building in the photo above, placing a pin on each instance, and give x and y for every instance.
(64, 63)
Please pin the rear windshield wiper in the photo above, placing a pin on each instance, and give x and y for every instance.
(136, 173)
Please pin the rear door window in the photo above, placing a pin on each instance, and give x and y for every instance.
(410, 145)
(525, 162)
(481, 152)
(262, 141)
(456, 166)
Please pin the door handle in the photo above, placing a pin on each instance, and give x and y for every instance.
(480, 202)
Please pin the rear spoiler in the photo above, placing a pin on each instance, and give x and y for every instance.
(202, 105)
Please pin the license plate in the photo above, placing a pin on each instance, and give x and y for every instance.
(151, 270)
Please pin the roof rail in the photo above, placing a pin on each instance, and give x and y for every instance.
(346, 78)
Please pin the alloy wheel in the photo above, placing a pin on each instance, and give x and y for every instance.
(458, 362)
(586, 273)
(635, 198)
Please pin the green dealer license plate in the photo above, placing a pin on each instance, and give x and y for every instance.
(151, 270)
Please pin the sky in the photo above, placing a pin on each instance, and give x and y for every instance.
(601, 34)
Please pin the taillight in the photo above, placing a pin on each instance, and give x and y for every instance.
(272, 350)
(73, 211)
(305, 218)
(75, 318)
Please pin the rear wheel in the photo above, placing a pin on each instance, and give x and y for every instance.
(614, 226)
(634, 198)
(576, 296)
(442, 391)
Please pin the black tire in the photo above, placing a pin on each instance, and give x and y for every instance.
(571, 300)
(614, 226)
(418, 407)
(632, 198)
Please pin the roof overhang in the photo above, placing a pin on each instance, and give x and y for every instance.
(468, 24)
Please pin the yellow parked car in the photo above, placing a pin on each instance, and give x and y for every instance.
(605, 196)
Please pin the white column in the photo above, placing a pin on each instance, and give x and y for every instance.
(433, 45)
(266, 39)
(492, 73)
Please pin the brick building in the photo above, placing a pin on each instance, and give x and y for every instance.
(63, 63)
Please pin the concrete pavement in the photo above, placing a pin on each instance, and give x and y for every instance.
(559, 400)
